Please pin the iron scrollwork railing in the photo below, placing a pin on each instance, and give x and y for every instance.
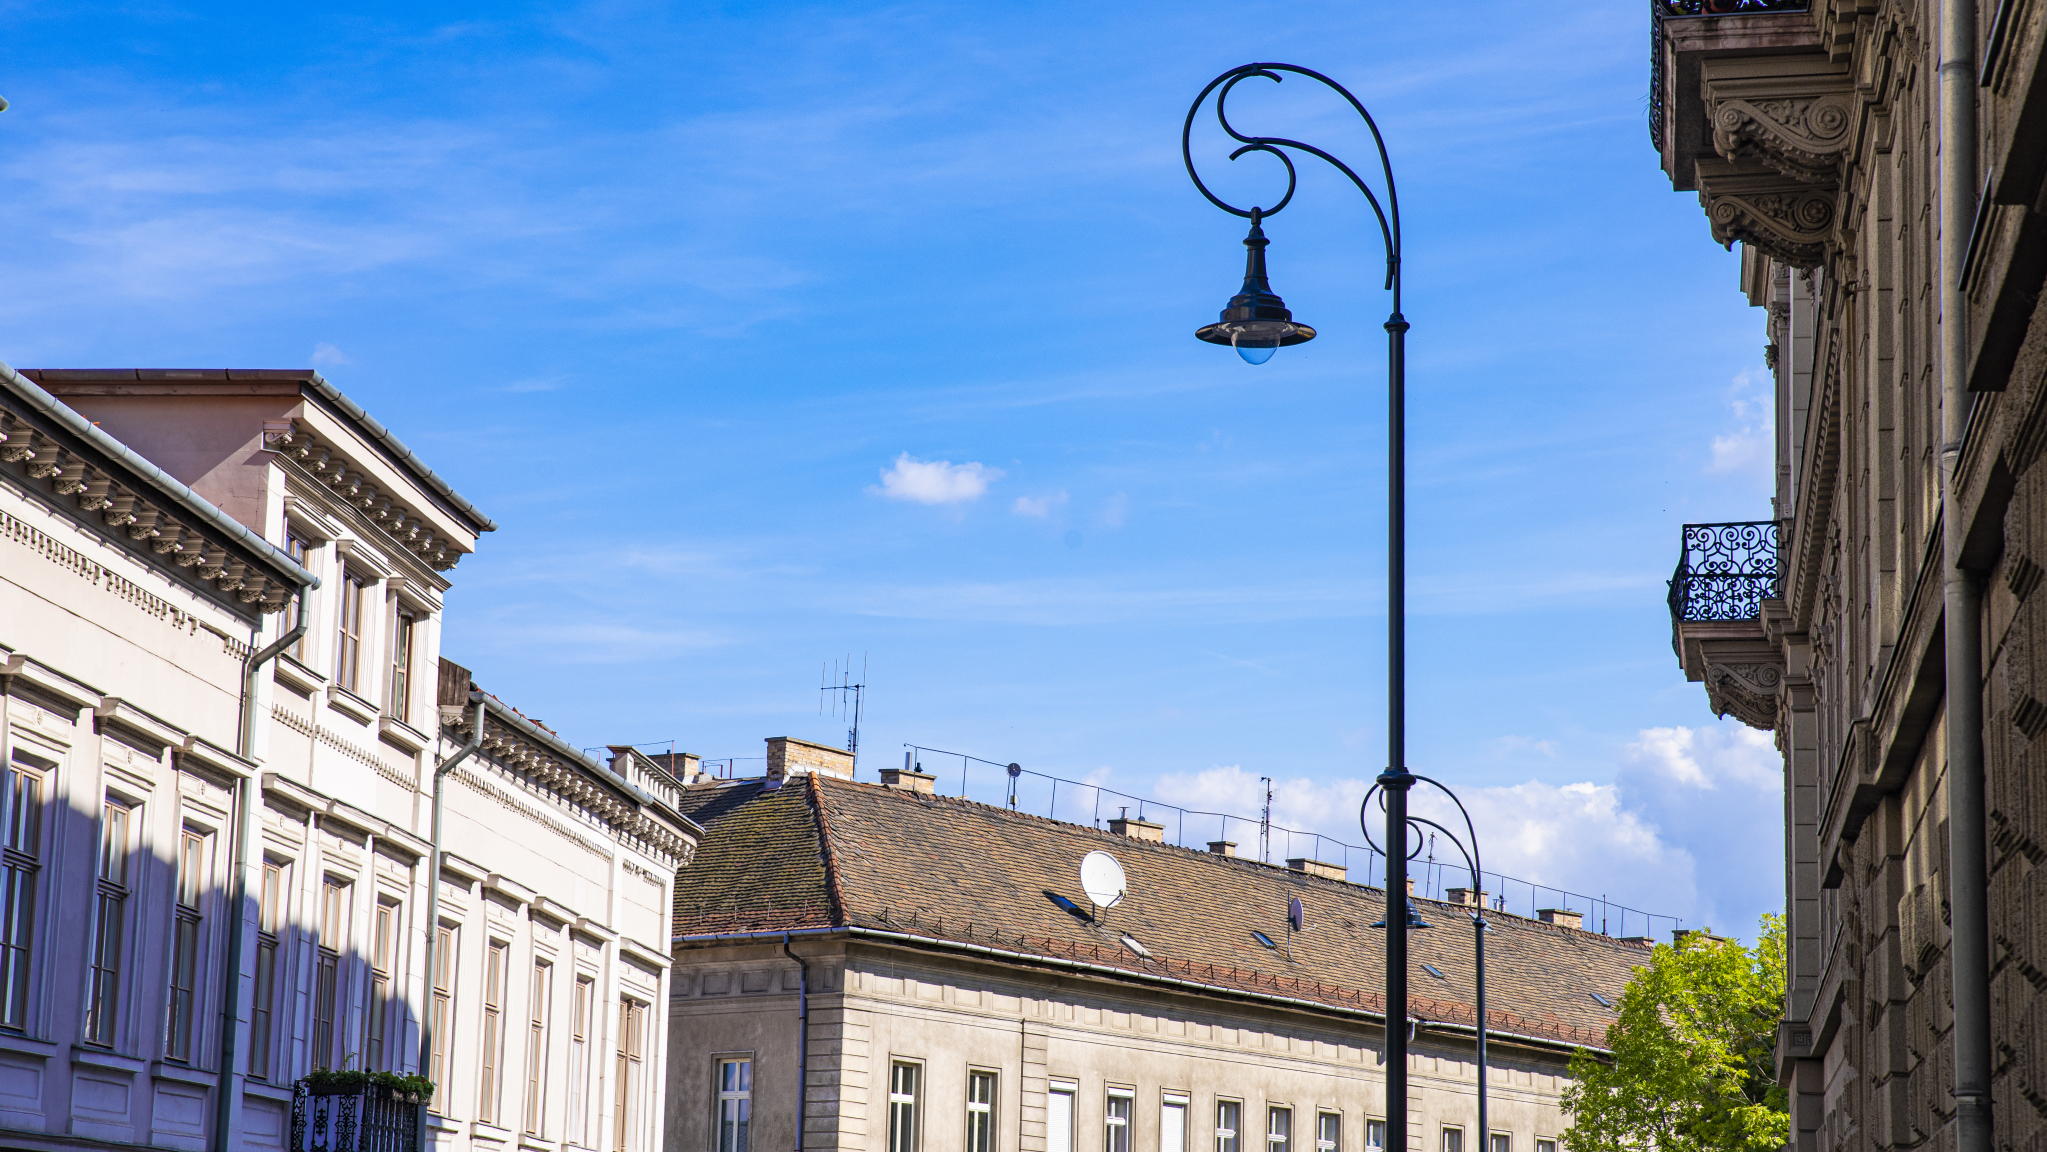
(1658, 9)
(371, 1119)
(1725, 572)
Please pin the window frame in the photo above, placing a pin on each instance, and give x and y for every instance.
(1115, 1124)
(387, 932)
(184, 999)
(1229, 1138)
(1069, 1090)
(629, 1090)
(273, 894)
(337, 895)
(490, 1062)
(1326, 1141)
(905, 1119)
(1453, 1134)
(398, 688)
(102, 1027)
(1275, 1139)
(982, 1116)
(1498, 1141)
(24, 812)
(1378, 1127)
(540, 1020)
(447, 964)
(351, 590)
(582, 1021)
(300, 549)
(1184, 1101)
(740, 1098)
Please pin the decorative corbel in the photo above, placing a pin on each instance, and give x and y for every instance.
(1803, 138)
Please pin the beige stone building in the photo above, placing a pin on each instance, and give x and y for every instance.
(217, 870)
(1884, 165)
(927, 975)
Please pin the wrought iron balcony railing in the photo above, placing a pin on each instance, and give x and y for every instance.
(1725, 572)
(1660, 9)
(371, 1118)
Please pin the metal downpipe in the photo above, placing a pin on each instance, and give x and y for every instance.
(802, 1036)
(1969, 955)
(245, 809)
(433, 904)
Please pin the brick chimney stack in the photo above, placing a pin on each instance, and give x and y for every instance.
(1137, 828)
(788, 756)
(1562, 916)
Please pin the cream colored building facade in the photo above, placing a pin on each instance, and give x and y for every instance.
(197, 916)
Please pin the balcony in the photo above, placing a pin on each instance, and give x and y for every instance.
(339, 1112)
(1725, 574)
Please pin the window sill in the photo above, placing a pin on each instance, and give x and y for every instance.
(290, 672)
(402, 735)
(22, 1045)
(481, 1130)
(182, 1073)
(349, 704)
(264, 1090)
(112, 1061)
(537, 1144)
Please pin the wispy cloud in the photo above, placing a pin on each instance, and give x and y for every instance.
(327, 354)
(934, 481)
(1039, 507)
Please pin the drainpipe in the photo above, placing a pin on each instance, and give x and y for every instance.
(802, 1035)
(245, 819)
(433, 903)
(1963, 598)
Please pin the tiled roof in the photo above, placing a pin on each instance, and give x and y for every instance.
(829, 853)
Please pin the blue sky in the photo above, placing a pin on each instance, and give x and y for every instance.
(771, 334)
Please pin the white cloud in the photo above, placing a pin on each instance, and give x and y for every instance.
(1747, 449)
(324, 353)
(1038, 507)
(935, 481)
(1116, 511)
(1704, 758)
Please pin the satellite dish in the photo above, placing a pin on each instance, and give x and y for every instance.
(1102, 879)
(1295, 918)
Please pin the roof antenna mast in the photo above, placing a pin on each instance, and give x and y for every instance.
(1265, 825)
(845, 686)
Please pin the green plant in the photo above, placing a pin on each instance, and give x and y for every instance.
(349, 1082)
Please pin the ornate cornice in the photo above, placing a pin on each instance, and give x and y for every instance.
(1747, 692)
(323, 463)
(1785, 219)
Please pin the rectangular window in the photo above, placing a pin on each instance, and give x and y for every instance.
(1545, 1146)
(582, 1011)
(1502, 1142)
(902, 1106)
(625, 1103)
(1116, 1121)
(327, 974)
(1375, 1136)
(383, 966)
(493, 1029)
(262, 1010)
(1279, 1128)
(536, 1047)
(1453, 1140)
(110, 917)
(348, 642)
(296, 548)
(1229, 1120)
(185, 940)
(21, 839)
(980, 1111)
(1059, 1117)
(735, 1104)
(444, 1010)
(1173, 1123)
(400, 704)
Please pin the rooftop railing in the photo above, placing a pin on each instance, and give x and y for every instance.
(1725, 572)
(1659, 10)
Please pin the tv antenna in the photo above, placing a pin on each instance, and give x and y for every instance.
(840, 680)
(1265, 825)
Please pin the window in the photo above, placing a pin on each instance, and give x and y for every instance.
(296, 548)
(1545, 1146)
(632, 1022)
(21, 840)
(980, 1111)
(1059, 1117)
(536, 1047)
(383, 961)
(444, 1009)
(493, 1030)
(1229, 1120)
(103, 994)
(400, 704)
(1502, 1142)
(902, 1107)
(185, 938)
(1173, 1123)
(1328, 1132)
(327, 973)
(1453, 1140)
(1375, 1135)
(1279, 1128)
(1116, 1121)
(735, 1103)
(262, 1011)
(348, 645)
(582, 1010)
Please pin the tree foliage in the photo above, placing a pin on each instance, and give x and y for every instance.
(1693, 1063)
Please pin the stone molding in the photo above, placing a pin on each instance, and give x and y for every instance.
(1788, 220)
(405, 527)
(1791, 114)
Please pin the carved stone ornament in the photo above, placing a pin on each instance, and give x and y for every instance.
(1747, 692)
(1787, 220)
(1804, 139)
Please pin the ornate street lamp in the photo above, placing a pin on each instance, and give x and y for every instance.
(1257, 324)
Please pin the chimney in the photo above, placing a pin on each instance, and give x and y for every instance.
(1468, 898)
(1410, 887)
(1322, 868)
(1138, 829)
(909, 780)
(788, 756)
(1561, 916)
(1223, 847)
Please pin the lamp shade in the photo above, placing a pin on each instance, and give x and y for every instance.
(1256, 322)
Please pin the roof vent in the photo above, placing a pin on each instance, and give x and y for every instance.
(1434, 971)
(1561, 916)
(1138, 829)
(1603, 1001)
(1321, 868)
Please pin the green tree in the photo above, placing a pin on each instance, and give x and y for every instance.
(1693, 1054)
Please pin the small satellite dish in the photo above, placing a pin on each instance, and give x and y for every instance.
(1295, 918)
(1102, 879)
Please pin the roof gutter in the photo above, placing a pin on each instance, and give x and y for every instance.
(399, 452)
(1014, 956)
(191, 503)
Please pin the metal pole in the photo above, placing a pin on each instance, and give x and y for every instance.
(1396, 779)
(433, 908)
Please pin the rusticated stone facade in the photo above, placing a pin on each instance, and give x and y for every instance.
(1813, 137)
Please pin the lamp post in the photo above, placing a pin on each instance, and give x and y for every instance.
(1257, 323)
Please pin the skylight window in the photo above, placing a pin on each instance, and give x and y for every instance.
(1603, 1001)
(1131, 943)
(1432, 970)
(1069, 906)
(1262, 938)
